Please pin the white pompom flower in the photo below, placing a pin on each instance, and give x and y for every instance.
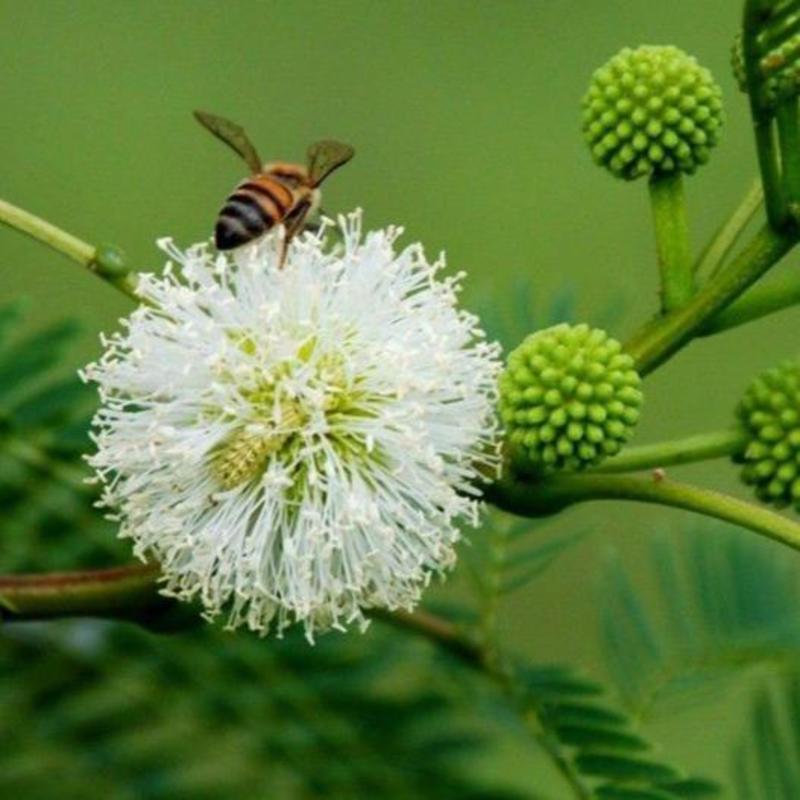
(296, 442)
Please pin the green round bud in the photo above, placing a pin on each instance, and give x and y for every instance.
(778, 68)
(109, 260)
(652, 110)
(770, 414)
(569, 397)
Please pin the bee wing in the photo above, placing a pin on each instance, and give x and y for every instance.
(326, 156)
(233, 135)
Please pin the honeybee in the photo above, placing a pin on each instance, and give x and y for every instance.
(276, 192)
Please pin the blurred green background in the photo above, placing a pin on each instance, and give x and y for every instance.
(465, 117)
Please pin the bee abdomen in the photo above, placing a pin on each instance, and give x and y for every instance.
(254, 207)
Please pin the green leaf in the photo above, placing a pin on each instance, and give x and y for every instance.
(625, 768)
(498, 564)
(626, 624)
(554, 683)
(725, 601)
(10, 314)
(43, 434)
(571, 713)
(693, 788)
(766, 763)
(600, 738)
(610, 792)
(247, 721)
(528, 564)
(52, 404)
(33, 356)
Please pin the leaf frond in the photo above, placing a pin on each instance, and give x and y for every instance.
(724, 602)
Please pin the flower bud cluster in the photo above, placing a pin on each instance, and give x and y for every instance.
(652, 109)
(569, 398)
(770, 413)
(779, 69)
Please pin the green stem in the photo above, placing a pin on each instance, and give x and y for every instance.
(127, 592)
(758, 302)
(102, 261)
(444, 633)
(661, 339)
(554, 494)
(756, 13)
(672, 239)
(724, 240)
(701, 447)
(789, 137)
(770, 171)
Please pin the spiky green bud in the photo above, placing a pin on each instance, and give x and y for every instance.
(652, 109)
(779, 70)
(770, 413)
(569, 397)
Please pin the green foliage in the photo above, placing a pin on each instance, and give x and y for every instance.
(508, 553)
(600, 743)
(205, 714)
(43, 433)
(131, 714)
(109, 711)
(726, 601)
(767, 762)
(209, 715)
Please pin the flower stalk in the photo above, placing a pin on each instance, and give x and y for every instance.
(758, 302)
(788, 124)
(126, 592)
(756, 12)
(719, 248)
(555, 494)
(104, 261)
(660, 340)
(668, 201)
(689, 450)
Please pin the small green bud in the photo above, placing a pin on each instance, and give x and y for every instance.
(109, 261)
(569, 397)
(771, 458)
(653, 109)
(779, 70)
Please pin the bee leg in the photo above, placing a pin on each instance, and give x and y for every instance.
(293, 223)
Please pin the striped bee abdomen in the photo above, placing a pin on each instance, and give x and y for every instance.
(253, 208)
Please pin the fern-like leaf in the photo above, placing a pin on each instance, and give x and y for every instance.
(600, 743)
(726, 601)
(98, 710)
(508, 553)
(767, 762)
(43, 432)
